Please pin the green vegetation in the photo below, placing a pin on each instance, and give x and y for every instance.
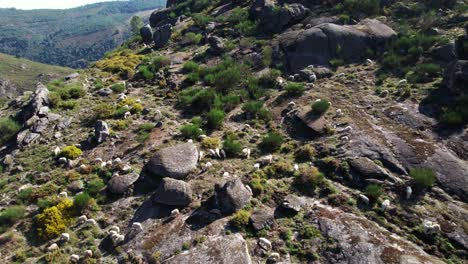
(305, 153)
(358, 7)
(215, 118)
(232, 146)
(240, 219)
(95, 186)
(373, 192)
(294, 88)
(190, 66)
(71, 152)
(192, 130)
(320, 107)
(271, 142)
(50, 36)
(193, 38)
(122, 63)
(211, 142)
(54, 220)
(256, 110)
(11, 215)
(9, 128)
(81, 201)
(423, 177)
(143, 132)
(308, 180)
(118, 88)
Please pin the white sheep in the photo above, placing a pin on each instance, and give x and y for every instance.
(190, 141)
(117, 160)
(201, 137)
(74, 258)
(296, 167)
(207, 166)
(409, 191)
(430, 227)
(385, 205)
(217, 153)
(115, 228)
(63, 195)
(212, 152)
(53, 247)
(257, 166)
(174, 213)
(64, 237)
(344, 139)
(137, 227)
(246, 153)
(56, 151)
(88, 253)
(401, 82)
(82, 219)
(226, 174)
(91, 222)
(201, 155)
(127, 115)
(369, 62)
(346, 129)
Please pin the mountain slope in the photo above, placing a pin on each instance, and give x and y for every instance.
(22, 75)
(72, 37)
(255, 131)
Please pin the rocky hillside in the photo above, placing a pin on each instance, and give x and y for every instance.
(72, 37)
(19, 75)
(250, 132)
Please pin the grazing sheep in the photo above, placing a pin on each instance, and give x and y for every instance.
(82, 219)
(201, 137)
(246, 153)
(226, 174)
(64, 237)
(207, 166)
(385, 205)
(364, 198)
(62, 160)
(340, 75)
(265, 160)
(127, 115)
(88, 253)
(257, 166)
(174, 213)
(53, 247)
(409, 191)
(190, 141)
(401, 82)
(137, 227)
(98, 161)
(56, 151)
(296, 167)
(74, 258)
(369, 62)
(346, 129)
(201, 155)
(218, 155)
(212, 152)
(63, 195)
(117, 160)
(121, 97)
(431, 227)
(114, 228)
(91, 222)
(344, 139)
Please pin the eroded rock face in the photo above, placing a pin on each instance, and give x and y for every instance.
(162, 35)
(173, 192)
(273, 18)
(367, 168)
(174, 162)
(120, 184)
(159, 16)
(216, 45)
(233, 196)
(39, 99)
(362, 241)
(220, 249)
(319, 44)
(146, 33)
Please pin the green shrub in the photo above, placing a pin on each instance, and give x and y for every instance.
(423, 177)
(81, 201)
(120, 125)
(452, 118)
(211, 143)
(305, 153)
(8, 128)
(54, 220)
(229, 102)
(143, 132)
(201, 20)
(192, 131)
(227, 79)
(54, 99)
(68, 105)
(309, 232)
(337, 62)
(71, 152)
(118, 87)
(215, 118)
(193, 38)
(11, 215)
(98, 84)
(320, 107)
(232, 146)
(279, 169)
(308, 180)
(241, 219)
(197, 99)
(146, 72)
(95, 186)
(426, 72)
(373, 192)
(103, 111)
(121, 62)
(159, 62)
(267, 56)
(368, 7)
(271, 142)
(192, 78)
(190, 66)
(294, 88)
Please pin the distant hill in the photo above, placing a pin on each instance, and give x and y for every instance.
(71, 37)
(18, 75)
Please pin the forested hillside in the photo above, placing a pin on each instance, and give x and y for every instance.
(71, 37)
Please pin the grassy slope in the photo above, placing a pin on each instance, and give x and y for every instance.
(23, 73)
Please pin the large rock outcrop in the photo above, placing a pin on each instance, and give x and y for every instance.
(175, 162)
(273, 18)
(173, 192)
(146, 33)
(233, 196)
(220, 249)
(159, 17)
(162, 35)
(322, 43)
(119, 184)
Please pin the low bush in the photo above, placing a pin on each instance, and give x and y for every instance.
(320, 107)
(256, 110)
(95, 186)
(279, 169)
(11, 215)
(122, 63)
(197, 99)
(193, 38)
(294, 88)
(232, 146)
(81, 201)
(143, 132)
(103, 111)
(305, 153)
(71, 152)
(308, 180)
(271, 142)
(192, 78)
(192, 131)
(373, 192)
(118, 87)
(159, 62)
(54, 220)
(211, 143)
(215, 118)
(190, 66)
(226, 80)
(146, 72)
(309, 232)
(337, 62)
(423, 177)
(8, 128)
(241, 219)
(201, 20)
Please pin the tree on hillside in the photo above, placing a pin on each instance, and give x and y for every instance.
(136, 23)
